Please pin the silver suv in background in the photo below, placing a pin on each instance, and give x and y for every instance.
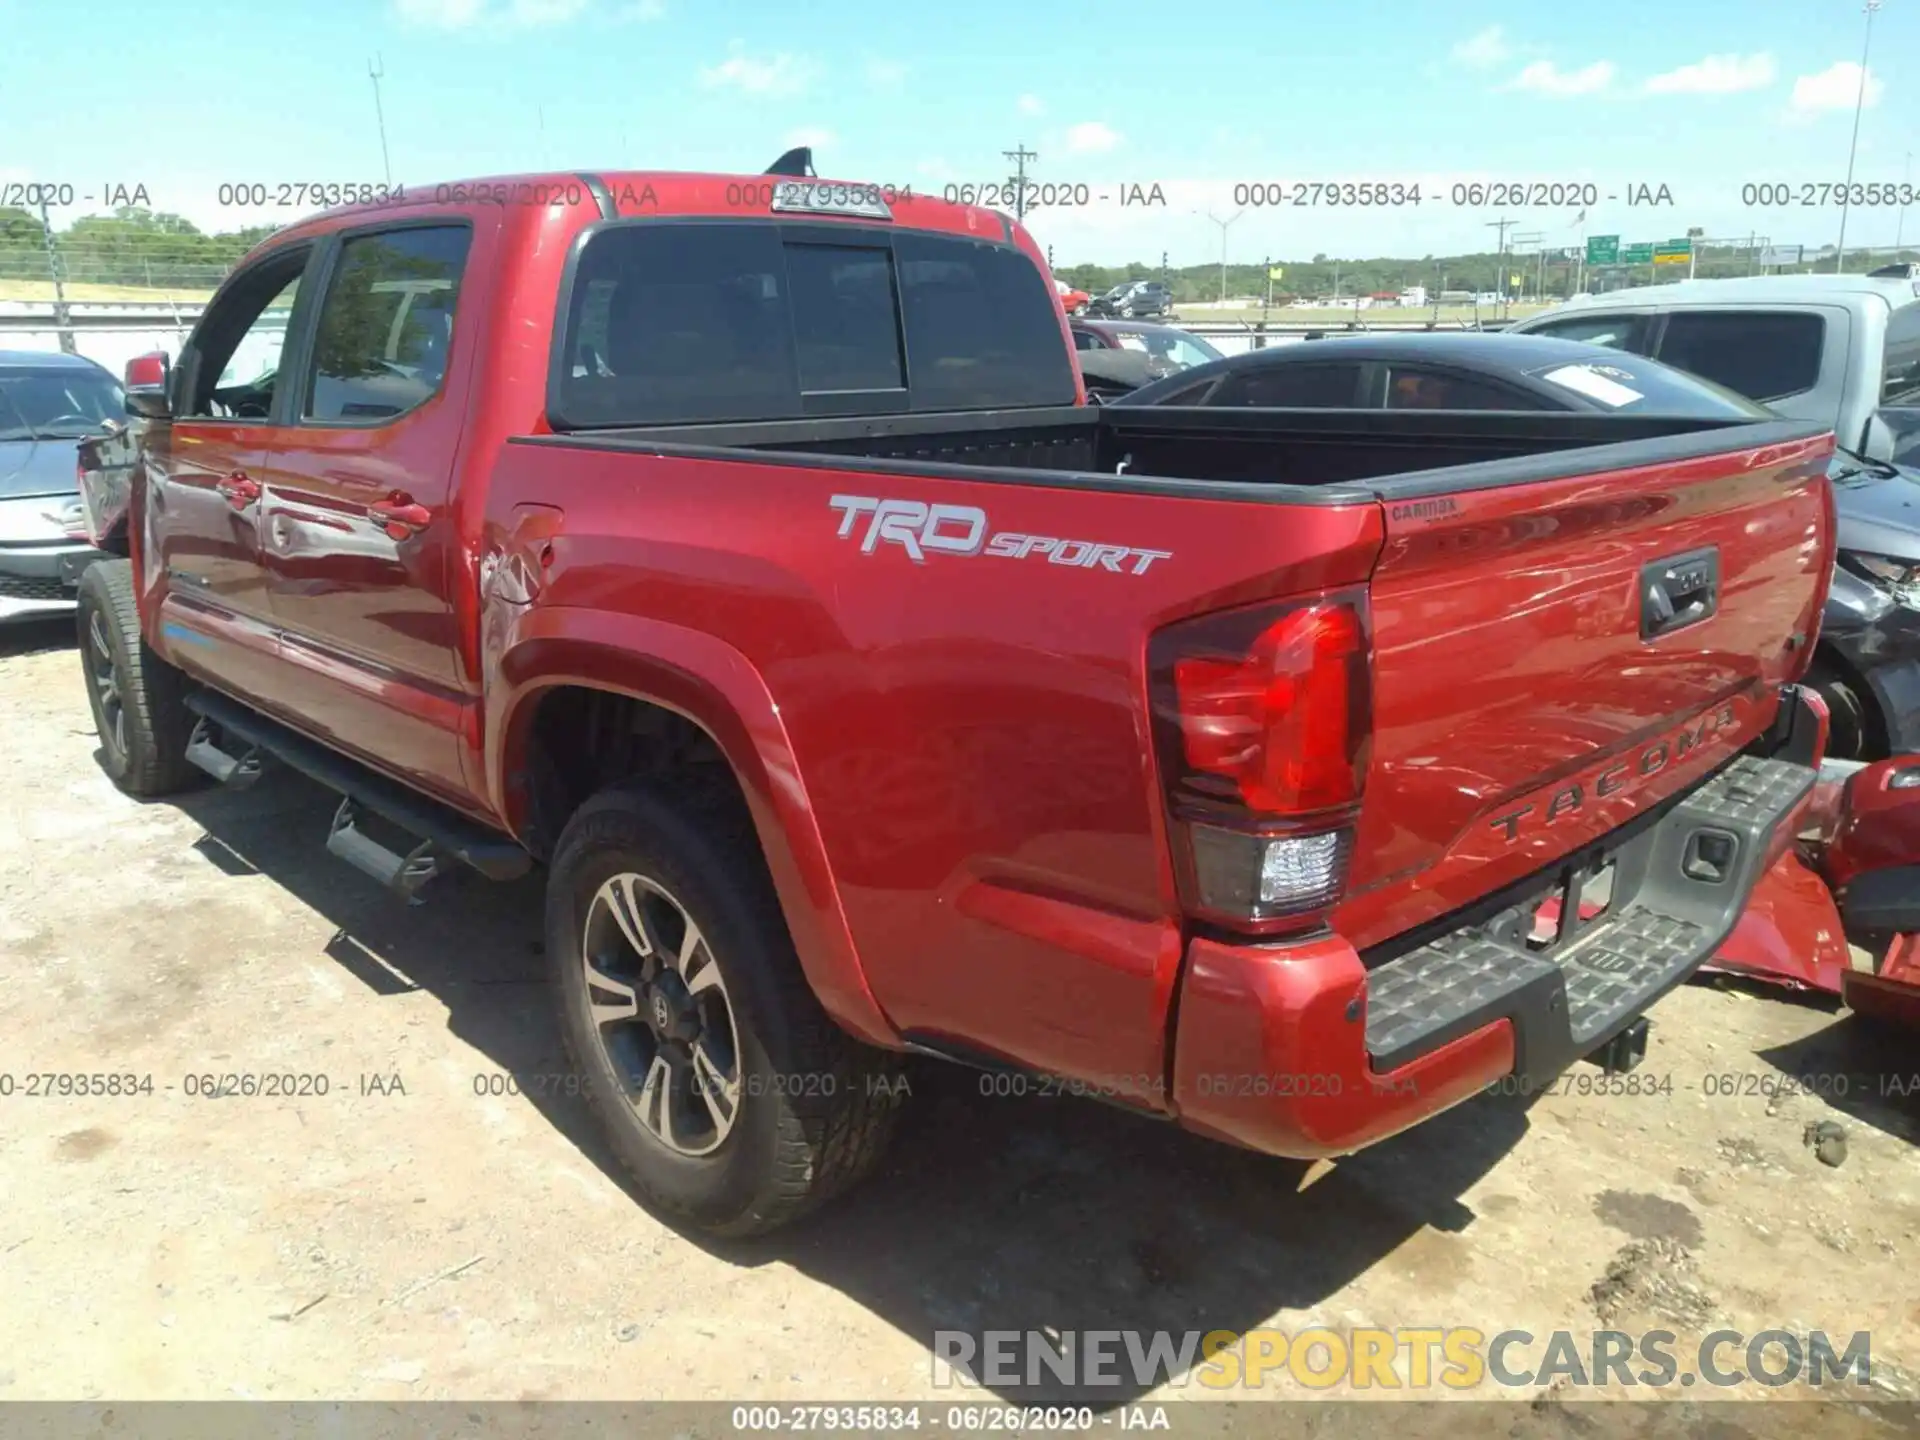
(49, 402)
(1841, 349)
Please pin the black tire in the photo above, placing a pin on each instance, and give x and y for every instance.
(816, 1107)
(1854, 730)
(138, 699)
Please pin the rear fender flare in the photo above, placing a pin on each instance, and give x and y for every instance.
(710, 683)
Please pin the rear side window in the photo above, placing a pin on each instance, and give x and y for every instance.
(689, 323)
(1413, 388)
(1635, 385)
(1306, 387)
(1762, 354)
(386, 325)
(1618, 332)
(1902, 385)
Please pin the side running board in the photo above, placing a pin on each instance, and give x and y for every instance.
(441, 831)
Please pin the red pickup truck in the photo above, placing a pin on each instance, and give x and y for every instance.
(742, 550)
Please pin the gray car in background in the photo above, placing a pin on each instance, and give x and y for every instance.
(49, 402)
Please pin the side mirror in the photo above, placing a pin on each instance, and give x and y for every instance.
(147, 379)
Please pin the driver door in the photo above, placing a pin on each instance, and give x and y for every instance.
(203, 475)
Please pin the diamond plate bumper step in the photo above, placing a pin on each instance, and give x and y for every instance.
(1678, 885)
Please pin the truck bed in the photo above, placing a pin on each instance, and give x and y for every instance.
(1330, 456)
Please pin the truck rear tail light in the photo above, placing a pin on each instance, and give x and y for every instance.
(1263, 717)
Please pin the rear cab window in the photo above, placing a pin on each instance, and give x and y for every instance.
(702, 321)
(1762, 354)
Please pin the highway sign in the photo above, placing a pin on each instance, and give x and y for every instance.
(1603, 250)
(1277, 272)
(1673, 252)
(1636, 255)
(1782, 255)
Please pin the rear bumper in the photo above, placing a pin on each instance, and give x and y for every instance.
(1314, 1049)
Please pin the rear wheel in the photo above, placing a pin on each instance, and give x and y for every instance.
(138, 699)
(729, 1095)
(1854, 727)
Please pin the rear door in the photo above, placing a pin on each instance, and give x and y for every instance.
(357, 523)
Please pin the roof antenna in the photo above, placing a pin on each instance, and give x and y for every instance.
(797, 161)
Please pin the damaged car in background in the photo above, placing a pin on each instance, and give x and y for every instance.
(48, 403)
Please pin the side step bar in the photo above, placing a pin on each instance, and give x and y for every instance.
(441, 828)
(236, 772)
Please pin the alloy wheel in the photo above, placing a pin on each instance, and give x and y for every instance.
(106, 684)
(660, 1010)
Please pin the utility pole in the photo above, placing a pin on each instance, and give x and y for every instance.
(1223, 224)
(1500, 261)
(1859, 104)
(375, 70)
(1020, 156)
(1695, 235)
(62, 321)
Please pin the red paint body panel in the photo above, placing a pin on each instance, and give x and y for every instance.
(1272, 1053)
(1508, 670)
(1879, 827)
(949, 762)
(1790, 932)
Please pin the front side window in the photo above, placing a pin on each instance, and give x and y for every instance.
(239, 343)
(1762, 354)
(386, 325)
(1901, 386)
(1617, 332)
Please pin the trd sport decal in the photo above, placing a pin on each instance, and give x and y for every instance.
(962, 530)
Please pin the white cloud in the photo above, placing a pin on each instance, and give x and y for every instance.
(814, 135)
(1032, 105)
(504, 15)
(1487, 48)
(1716, 75)
(543, 12)
(1091, 137)
(644, 10)
(440, 14)
(1835, 88)
(1543, 77)
(779, 74)
(886, 74)
(935, 168)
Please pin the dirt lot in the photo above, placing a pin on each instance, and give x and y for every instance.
(404, 1237)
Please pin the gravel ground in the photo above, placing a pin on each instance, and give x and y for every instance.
(410, 1235)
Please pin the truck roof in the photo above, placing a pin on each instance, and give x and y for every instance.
(1753, 289)
(635, 193)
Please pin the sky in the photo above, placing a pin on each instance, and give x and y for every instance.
(1204, 102)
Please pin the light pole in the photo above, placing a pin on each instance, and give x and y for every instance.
(376, 71)
(1223, 224)
(1859, 104)
(1900, 230)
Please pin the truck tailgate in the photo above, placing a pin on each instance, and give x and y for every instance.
(1554, 657)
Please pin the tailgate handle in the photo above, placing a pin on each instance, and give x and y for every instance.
(1679, 591)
